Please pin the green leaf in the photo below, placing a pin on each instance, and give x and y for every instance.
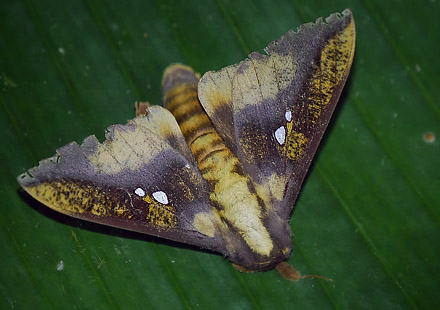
(368, 216)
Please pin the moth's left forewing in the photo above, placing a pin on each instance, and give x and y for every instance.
(142, 178)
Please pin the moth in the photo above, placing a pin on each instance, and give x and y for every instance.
(221, 164)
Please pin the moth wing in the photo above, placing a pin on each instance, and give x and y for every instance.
(215, 94)
(142, 178)
(273, 109)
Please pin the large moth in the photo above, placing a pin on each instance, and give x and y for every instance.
(221, 164)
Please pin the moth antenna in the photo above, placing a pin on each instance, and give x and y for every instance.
(288, 272)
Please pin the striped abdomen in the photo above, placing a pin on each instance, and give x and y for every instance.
(231, 190)
(180, 98)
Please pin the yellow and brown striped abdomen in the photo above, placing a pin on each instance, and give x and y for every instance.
(180, 98)
(231, 190)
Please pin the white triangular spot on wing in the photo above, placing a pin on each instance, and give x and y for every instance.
(288, 116)
(280, 135)
(161, 197)
(140, 192)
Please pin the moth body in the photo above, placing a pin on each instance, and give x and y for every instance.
(238, 212)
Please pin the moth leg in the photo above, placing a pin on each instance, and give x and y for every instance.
(288, 272)
(141, 108)
(241, 268)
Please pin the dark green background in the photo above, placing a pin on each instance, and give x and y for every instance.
(368, 215)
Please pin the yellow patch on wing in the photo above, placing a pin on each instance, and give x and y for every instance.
(261, 78)
(273, 187)
(125, 144)
(159, 121)
(77, 198)
(204, 224)
(256, 79)
(215, 88)
(122, 152)
(159, 214)
(296, 143)
(334, 66)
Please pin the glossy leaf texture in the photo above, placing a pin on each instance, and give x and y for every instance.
(368, 215)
